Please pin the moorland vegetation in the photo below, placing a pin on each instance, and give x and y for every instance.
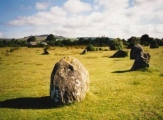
(115, 91)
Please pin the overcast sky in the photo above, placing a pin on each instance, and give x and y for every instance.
(81, 18)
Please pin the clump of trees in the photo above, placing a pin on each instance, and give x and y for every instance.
(132, 41)
(50, 40)
(31, 39)
(13, 43)
(154, 44)
(113, 44)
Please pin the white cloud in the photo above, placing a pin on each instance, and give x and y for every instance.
(76, 6)
(55, 15)
(42, 5)
(104, 17)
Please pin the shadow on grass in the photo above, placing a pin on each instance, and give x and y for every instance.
(29, 103)
(122, 71)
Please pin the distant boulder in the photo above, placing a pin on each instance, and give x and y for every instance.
(120, 54)
(141, 61)
(135, 51)
(69, 81)
(45, 51)
(84, 51)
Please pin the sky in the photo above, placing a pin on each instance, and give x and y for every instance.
(81, 18)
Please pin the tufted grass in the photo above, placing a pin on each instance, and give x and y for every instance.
(115, 92)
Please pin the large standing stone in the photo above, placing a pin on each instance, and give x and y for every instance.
(141, 61)
(135, 51)
(69, 81)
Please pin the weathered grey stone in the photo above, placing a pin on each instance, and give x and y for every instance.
(69, 81)
(141, 61)
(120, 54)
(135, 51)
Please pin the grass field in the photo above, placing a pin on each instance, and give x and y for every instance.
(115, 93)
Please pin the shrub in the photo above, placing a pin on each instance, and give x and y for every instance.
(31, 39)
(132, 42)
(154, 44)
(116, 44)
(145, 40)
(90, 48)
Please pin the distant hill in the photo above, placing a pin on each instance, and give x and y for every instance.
(42, 37)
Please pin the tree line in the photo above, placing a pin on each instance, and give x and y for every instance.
(114, 44)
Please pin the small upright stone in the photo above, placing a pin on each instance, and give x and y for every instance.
(69, 81)
(46, 51)
(84, 51)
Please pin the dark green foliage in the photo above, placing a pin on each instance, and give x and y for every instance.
(125, 43)
(58, 43)
(132, 42)
(83, 41)
(154, 44)
(145, 40)
(31, 39)
(51, 40)
(67, 42)
(50, 37)
(90, 48)
(1, 44)
(101, 41)
(161, 42)
(12, 43)
(116, 44)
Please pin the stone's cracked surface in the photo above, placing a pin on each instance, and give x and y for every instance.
(141, 61)
(135, 51)
(69, 81)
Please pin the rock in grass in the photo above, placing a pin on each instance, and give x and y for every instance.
(46, 51)
(69, 81)
(84, 52)
(141, 61)
(120, 54)
(135, 51)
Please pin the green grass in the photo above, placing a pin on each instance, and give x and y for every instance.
(115, 92)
